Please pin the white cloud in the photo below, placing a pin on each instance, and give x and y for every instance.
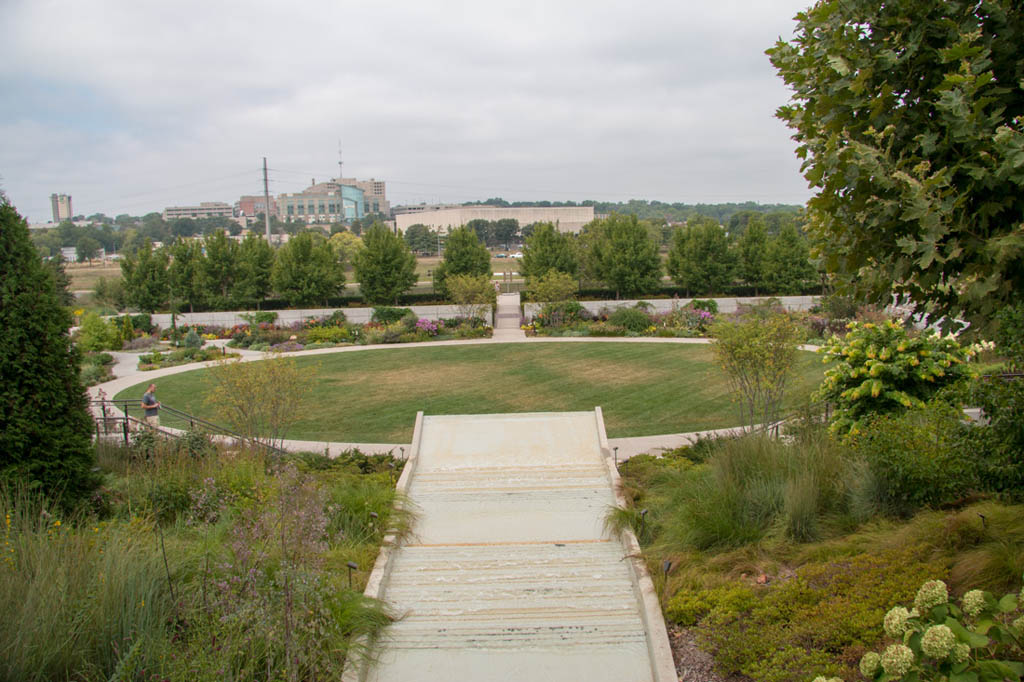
(446, 100)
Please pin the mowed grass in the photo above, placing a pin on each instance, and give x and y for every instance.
(84, 276)
(372, 396)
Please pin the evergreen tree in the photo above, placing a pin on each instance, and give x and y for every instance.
(306, 271)
(463, 255)
(61, 280)
(548, 249)
(45, 428)
(255, 265)
(144, 277)
(385, 267)
(625, 257)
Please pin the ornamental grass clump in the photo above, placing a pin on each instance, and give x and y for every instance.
(980, 641)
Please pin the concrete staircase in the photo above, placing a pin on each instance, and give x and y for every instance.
(509, 575)
(507, 318)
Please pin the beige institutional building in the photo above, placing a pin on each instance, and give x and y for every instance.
(565, 218)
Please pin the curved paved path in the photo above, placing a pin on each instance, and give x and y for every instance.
(127, 373)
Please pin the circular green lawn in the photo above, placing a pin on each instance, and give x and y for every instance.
(372, 396)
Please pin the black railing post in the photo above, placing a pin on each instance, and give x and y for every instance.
(124, 428)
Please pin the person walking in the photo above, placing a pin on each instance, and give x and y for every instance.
(151, 407)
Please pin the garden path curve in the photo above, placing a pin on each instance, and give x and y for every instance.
(622, 448)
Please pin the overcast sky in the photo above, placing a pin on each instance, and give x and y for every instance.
(131, 105)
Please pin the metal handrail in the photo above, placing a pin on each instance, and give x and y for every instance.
(124, 405)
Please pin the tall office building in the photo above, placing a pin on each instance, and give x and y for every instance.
(61, 205)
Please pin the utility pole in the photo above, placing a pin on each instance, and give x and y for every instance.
(266, 200)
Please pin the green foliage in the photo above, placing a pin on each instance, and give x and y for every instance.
(421, 238)
(916, 457)
(193, 340)
(547, 249)
(95, 333)
(787, 266)
(386, 268)
(254, 269)
(563, 313)
(388, 315)
(753, 250)
(110, 292)
(144, 278)
(61, 280)
(45, 429)
(939, 641)
(185, 273)
(881, 368)
(464, 254)
(634, 319)
(701, 258)
(87, 248)
(259, 317)
(1009, 336)
(623, 256)
(307, 271)
(998, 444)
(754, 486)
(475, 296)
(908, 117)
(328, 335)
(218, 268)
(552, 287)
(689, 607)
(707, 304)
(758, 355)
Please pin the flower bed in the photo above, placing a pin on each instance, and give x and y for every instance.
(569, 318)
(336, 331)
(181, 356)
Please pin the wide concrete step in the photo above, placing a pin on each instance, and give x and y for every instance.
(519, 595)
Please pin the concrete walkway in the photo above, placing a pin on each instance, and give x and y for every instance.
(509, 574)
(506, 320)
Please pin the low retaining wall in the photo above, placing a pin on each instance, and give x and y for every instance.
(664, 305)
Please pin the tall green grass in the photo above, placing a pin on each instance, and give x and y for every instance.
(75, 595)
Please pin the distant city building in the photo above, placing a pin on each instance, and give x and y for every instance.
(206, 209)
(374, 192)
(565, 218)
(325, 202)
(421, 208)
(61, 205)
(251, 206)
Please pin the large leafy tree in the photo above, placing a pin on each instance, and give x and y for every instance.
(625, 257)
(464, 254)
(306, 270)
(787, 268)
(548, 249)
(909, 116)
(184, 273)
(144, 277)
(701, 258)
(45, 429)
(255, 264)
(421, 238)
(753, 249)
(219, 268)
(385, 267)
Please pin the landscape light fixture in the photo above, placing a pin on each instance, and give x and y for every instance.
(643, 519)
(666, 566)
(616, 449)
(351, 566)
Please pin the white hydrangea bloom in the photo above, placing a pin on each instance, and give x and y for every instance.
(931, 594)
(895, 622)
(869, 664)
(938, 641)
(897, 660)
(960, 653)
(973, 603)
